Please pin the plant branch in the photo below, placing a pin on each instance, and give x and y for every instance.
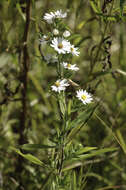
(24, 66)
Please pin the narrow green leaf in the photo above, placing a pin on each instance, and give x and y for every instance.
(73, 132)
(121, 139)
(94, 6)
(97, 152)
(79, 122)
(35, 146)
(74, 181)
(62, 107)
(85, 149)
(69, 107)
(78, 161)
(71, 165)
(20, 11)
(29, 157)
(62, 103)
(83, 116)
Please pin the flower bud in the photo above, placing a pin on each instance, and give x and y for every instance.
(66, 34)
(55, 32)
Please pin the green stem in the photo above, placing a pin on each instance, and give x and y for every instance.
(63, 111)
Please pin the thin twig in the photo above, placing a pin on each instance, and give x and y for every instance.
(25, 65)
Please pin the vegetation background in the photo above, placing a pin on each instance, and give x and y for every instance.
(29, 113)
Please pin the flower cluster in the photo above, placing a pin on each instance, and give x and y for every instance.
(63, 48)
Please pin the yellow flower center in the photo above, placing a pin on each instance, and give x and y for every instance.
(60, 45)
(68, 65)
(57, 84)
(83, 97)
(47, 38)
(72, 49)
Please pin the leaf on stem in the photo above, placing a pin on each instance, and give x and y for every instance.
(79, 160)
(35, 146)
(29, 157)
(80, 121)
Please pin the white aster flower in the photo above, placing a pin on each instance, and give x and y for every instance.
(69, 66)
(84, 96)
(60, 14)
(74, 50)
(61, 45)
(55, 32)
(60, 85)
(66, 34)
(44, 39)
(49, 17)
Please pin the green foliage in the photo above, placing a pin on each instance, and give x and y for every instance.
(121, 6)
(35, 146)
(29, 157)
(95, 7)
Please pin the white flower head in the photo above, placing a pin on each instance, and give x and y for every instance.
(49, 17)
(74, 50)
(60, 14)
(84, 96)
(61, 45)
(60, 85)
(66, 34)
(55, 32)
(44, 39)
(69, 66)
